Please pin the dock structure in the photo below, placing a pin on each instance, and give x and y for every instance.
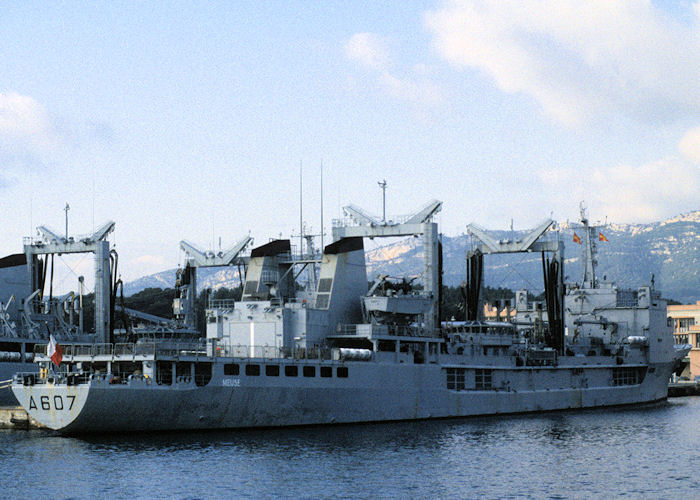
(681, 389)
(15, 417)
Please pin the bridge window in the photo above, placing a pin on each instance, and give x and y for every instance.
(322, 300)
(164, 373)
(272, 370)
(309, 371)
(342, 372)
(231, 369)
(455, 379)
(250, 287)
(252, 370)
(291, 371)
(628, 375)
(483, 379)
(326, 371)
(202, 373)
(324, 285)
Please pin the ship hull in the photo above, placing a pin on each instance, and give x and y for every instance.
(7, 371)
(372, 393)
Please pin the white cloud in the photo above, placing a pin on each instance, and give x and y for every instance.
(22, 118)
(577, 59)
(627, 193)
(418, 92)
(367, 48)
(690, 145)
(371, 50)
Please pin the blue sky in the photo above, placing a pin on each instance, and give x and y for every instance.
(187, 120)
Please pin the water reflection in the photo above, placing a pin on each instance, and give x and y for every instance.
(630, 451)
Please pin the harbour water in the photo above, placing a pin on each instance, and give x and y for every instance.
(643, 452)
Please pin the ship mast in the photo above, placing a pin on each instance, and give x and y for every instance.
(590, 251)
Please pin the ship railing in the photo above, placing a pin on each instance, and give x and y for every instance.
(371, 330)
(34, 378)
(222, 303)
(247, 351)
(478, 327)
(102, 349)
(124, 349)
(70, 350)
(296, 256)
(145, 349)
(322, 353)
(196, 349)
(271, 352)
(201, 349)
(79, 350)
(350, 222)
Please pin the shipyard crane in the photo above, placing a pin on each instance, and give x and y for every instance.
(419, 223)
(50, 243)
(553, 270)
(187, 278)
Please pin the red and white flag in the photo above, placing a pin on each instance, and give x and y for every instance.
(55, 351)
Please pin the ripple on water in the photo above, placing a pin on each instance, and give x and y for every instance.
(632, 452)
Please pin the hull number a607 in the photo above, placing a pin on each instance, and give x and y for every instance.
(52, 403)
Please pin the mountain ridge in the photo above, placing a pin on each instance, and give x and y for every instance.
(666, 251)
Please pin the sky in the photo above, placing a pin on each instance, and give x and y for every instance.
(192, 120)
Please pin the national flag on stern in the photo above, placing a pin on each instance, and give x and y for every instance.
(601, 237)
(577, 238)
(55, 351)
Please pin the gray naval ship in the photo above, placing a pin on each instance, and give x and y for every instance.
(311, 343)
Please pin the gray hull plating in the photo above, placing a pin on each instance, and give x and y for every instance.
(371, 393)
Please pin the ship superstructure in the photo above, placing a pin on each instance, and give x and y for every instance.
(343, 350)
